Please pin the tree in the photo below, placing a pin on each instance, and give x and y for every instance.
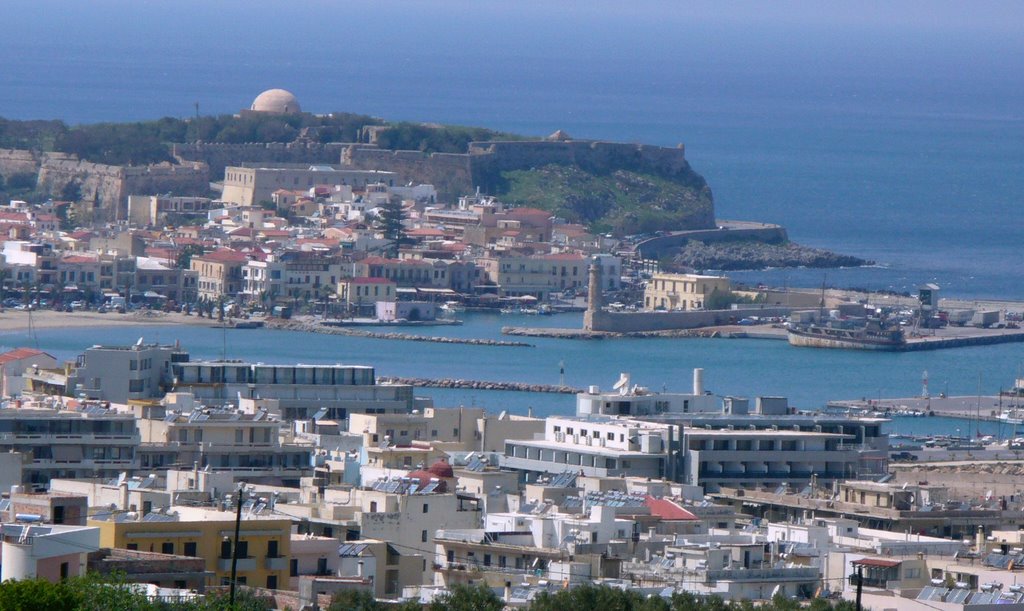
(390, 223)
(467, 598)
(184, 260)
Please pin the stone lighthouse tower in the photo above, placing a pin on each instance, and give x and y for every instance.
(594, 302)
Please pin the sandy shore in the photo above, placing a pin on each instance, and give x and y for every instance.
(18, 320)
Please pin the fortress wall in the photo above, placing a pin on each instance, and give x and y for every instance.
(218, 156)
(450, 173)
(108, 186)
(18, 161)
(636, 322)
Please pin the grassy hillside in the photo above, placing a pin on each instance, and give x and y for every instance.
(621, 202)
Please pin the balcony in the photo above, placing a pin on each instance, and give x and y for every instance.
(279, 563)
(244, 564)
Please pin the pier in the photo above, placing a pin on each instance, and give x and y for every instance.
(479, 385)
(311, 327)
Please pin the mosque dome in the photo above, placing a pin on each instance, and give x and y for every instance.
(276, 101)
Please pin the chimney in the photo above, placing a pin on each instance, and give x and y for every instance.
(359, 569)
(123, 486)
(980, 540)
(698, 381)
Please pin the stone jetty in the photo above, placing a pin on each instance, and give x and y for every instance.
(479, 385)
(311, 327)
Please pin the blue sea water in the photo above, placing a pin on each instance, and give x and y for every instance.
(739, 367)
(895, 133)
(892, 131)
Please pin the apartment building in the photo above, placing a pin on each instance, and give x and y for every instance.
(264, 544)
(121, 373)
(223, 439)
(62, 443)
(219, 273)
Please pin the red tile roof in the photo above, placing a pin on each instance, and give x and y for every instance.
(20, 353)
(667, 510)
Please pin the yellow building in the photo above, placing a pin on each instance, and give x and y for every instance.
(264, 542)
(220, 273)
(682, 291)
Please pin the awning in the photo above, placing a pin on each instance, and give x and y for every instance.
(877, 562)
(438, 291)
(153, 295)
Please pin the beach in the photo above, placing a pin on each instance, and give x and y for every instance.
(21, 320)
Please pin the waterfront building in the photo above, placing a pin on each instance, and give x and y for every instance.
(683, 291)
(295, 392)
(156, 281)
(295, 275)
(219, 273)
(360, 295)
(116, 374)
(264, 545)
(14, 363)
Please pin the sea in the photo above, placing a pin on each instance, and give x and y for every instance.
(893, 132)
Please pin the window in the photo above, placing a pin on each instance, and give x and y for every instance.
(423, 536)
(293, 567)
(167, 547)
(225, 548)
(321, 566)
(190, 548)
(271, 582)
(64, 570)
(133, 546)
(136, 385)
(272, 549)
(426, 507)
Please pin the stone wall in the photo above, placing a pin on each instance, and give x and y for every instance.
(634, 322)
(459, 174)
(451, 174)
(108, 186)
(218, 156)
(17, 161)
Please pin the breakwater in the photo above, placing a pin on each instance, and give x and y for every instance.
(703, 332)
(479, 385)
(294, 325)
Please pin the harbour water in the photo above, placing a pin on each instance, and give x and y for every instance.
(742, 367)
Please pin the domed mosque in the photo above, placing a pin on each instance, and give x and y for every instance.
(276, 101)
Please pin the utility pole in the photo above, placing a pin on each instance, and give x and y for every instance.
(234, 548)
(860, 584)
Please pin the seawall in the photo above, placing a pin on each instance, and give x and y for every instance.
(726, 231)
(636, 322)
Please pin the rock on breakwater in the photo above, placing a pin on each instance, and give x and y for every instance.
(478, 385)
(310, 327)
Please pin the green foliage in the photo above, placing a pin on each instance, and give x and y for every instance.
(435, 138)
(390, 224)
(355, 600)
(467, 598)
(185, 255)
(623, 201)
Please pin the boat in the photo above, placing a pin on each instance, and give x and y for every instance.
(867, 337)
(453, 306)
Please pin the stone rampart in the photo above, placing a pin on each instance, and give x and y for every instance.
(455, 174)
(108, 186)
(635, 322)
(220, 155)
(18, 161)
(450, 173)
